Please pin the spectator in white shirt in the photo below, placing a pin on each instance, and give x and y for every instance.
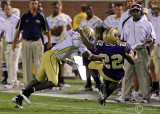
(126, 15)
(138, 33)
(9, 27)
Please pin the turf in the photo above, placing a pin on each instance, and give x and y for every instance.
(52, 105)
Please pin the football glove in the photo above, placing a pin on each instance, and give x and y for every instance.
(139, 47)
(72, 64)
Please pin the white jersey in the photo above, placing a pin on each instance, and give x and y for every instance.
(124, 17)
(111, 21)
(15, 11)
(60, 20)
(9, 27)
(94, 23)
(134, 32)
(156, 25)
(68, 20)
(70, 43)
(55, 22)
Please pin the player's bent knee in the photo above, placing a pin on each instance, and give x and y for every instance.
(56, 83)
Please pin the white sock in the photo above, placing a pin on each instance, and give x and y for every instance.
(135, 94)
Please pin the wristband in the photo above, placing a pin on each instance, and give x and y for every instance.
(90, 56)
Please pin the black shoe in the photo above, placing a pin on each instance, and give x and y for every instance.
(102, 92)
(101, 102)
(18, 102)
(145, 100)
(4, 82)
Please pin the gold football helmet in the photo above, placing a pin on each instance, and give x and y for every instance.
(111, 35)
(89, 32)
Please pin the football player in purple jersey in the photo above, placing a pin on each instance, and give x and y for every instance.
(113, 53)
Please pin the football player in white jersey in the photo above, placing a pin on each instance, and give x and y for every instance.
(48, 73)
(113, 20)
(56, 22)
(154, 63)
(96, 24)
(59, 24)
(67, 27)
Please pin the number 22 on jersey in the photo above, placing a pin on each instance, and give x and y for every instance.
(115, 61)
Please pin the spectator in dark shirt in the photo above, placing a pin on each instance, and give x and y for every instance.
(31, 24)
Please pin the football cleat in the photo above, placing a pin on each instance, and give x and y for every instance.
(65, 85)
(144, 100)
(123, 100)
(134, 100)
(101, 102)
(102, 92)
(25, 97)
(17, 101)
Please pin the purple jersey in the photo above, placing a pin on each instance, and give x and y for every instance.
(114, 56)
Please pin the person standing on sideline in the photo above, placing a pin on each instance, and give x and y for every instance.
(155, 20)
(15, 11)
(138, 33)
(96, 24)
(59, 24)
(113, 20)
(1, 48)
(79, 17)
(32, 24)
(111, 9)
(126, 15)
(12, 57)
(68, 27)
(125, 18)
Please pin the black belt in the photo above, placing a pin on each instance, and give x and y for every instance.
(9, 42)
(33, 40)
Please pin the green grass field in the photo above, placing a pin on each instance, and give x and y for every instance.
(52, 105)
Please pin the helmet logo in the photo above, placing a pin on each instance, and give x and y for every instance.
(88, 31)
(115, 34)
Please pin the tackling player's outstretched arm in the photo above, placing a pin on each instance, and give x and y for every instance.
(92, 57)
(85, 40)
(57, 31)
(130, 57)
